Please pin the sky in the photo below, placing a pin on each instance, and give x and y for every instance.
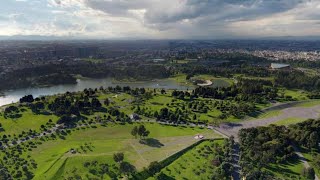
(160, 19)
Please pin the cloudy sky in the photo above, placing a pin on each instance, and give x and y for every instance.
(168, 19)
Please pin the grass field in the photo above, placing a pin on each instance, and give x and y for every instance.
(289, 170)
(295, 94)
(309, 103)
(217, 81)
(194, 164)
(288, 121)
(54, 161)
(268, 114)
(27, 121)
(309, 157)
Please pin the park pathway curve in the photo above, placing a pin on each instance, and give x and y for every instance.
(232, 129)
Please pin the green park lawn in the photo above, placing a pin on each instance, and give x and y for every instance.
(295, 94)
(267, 114)
(309, 157)
(310, 103)
(194, 164)
(54, 160)
(217, 81)
(289, 170)
(28, 120)
(288, 121)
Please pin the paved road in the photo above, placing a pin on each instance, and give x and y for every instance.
(232, 129)
(235, 162)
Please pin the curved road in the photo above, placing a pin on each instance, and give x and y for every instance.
(288, 111)
(232, 129)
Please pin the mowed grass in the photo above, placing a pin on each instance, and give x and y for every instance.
(27, 121)
(193, 165)
(310, 103)
(217, 81)
(267, 114)
(296, 94)
(54, 161)
(290, 120)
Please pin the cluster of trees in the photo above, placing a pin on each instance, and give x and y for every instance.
(180, 94)
(72, 105)
(306, 134)
(11, 112)
(298, 80)
(223, 159)
(114, 171)
(124, 167)
(13, 165)
(274, 144)
(288, 79)
(245, 90)
(226, 69)
(262, 146)
(140, 131)
(27, 99)
(53, 74)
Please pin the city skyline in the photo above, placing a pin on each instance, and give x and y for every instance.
(160, 19)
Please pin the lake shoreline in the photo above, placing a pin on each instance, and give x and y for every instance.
(12, 96)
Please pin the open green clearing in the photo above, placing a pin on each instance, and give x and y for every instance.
(197, 163)
(267, 114)
(309, 103)
(290, 120)
(297, 95)
(290, 170)
(54, 160)
(313, 158)
(217, 81)
(28, 120)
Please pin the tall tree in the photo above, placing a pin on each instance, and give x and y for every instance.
(134, 131)
(118, 157)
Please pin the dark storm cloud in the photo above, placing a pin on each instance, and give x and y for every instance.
(162, 13)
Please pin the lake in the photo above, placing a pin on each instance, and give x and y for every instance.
(14, 95)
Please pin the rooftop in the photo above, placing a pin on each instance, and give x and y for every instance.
(279, 66)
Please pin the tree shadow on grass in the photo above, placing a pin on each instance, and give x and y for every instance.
(255, 114)
(281, 170)
(152, 142)
(285, 167)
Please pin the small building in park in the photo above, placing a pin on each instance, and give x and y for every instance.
(134, 116)
(276, 66)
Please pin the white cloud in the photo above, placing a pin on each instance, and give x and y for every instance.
(160, 18)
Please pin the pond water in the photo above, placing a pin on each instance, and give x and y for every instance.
(14, 95)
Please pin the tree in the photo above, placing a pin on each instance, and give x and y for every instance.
(106, 102)
(126, 168)
(163, 176)
(309, 173)
(118, 157)
(134, 131)
(194, 117)
(95, 103)
(313, 140)
(154, 167)
(142, 131)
